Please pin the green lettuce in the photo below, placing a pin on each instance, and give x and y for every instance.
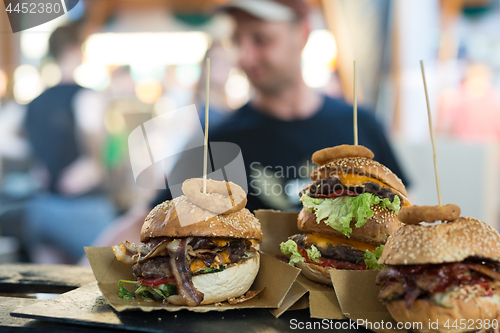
(371, 258)
(339, 212)
(124, 293)
(443, 298)
(290, 247)
(146, 292)
(211, 270)
(313, 253)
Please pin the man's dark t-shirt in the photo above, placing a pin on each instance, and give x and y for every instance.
(277, 154)
(50, 125)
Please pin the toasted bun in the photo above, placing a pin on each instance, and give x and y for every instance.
(316, 273)
(423, 310)
(375, 231)
(446, 242)
(234, 281)
(362, 166)
(324, 156)
(165, 221)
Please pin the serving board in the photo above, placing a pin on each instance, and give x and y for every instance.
(86, 306)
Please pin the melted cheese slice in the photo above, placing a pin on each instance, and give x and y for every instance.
(219, 242)
(324, 240)
(353, 180)
(199, 265)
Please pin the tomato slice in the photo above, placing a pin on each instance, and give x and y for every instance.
(332, 263)
(151, 282)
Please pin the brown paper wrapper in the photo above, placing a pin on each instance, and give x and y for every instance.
(275, 277)
(357, 295)
(354, 294)
(323, 303)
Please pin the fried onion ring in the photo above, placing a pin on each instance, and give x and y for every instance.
(325, 156)
(417, 214)
(221, 197)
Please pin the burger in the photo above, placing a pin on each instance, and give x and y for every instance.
(447, 274)
(191, 255)
(348, 212)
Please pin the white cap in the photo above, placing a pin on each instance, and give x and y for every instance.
(266, 10)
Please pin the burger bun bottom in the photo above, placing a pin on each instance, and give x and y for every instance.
(217, 287)
(316, 273)
(474, 311)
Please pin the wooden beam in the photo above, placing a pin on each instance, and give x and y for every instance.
(449, 39)
(335, 20)
(8, 52)
(395, 71)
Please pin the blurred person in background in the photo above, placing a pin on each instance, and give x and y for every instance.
(471, 113)
(64, 126)
(285, 121)
(221, 63)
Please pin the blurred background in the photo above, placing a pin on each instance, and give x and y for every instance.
(143, 58)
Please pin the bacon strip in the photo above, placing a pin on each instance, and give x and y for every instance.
(416, 281)
(182, 273)
(131, 254)
(158, 250)
(485, 270)
(126, 252)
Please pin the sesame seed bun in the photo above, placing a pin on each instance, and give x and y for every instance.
(165, 221)
(473, 310)
(362, 166)
(375, 231)
(234, 281)
(446, 242)
(325, 156)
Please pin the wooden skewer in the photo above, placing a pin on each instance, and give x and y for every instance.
(431, 130)
(355, 107)
(206, 130)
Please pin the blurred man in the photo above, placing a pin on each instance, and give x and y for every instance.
(65, 131)
(286, 121)
(471, 113)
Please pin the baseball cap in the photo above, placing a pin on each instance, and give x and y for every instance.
(271, 10)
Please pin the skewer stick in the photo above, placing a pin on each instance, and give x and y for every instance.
(355, 106)
(206, 130)
(431, 130)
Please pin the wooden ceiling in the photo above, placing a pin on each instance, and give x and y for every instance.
(184, 6)
(98, 11)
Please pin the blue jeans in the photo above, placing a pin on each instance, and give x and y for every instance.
(67, 224)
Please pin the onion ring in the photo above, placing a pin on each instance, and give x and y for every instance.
(325, 156)
(417, 214)
(221, 197)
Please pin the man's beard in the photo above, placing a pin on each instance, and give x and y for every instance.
(273, 84)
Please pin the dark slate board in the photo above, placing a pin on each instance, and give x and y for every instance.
(85, 306)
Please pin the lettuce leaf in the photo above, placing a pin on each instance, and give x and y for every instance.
(339, 212)
(313, 253)
(211, 270)
(146, 292)
(290, 247)
(168, 289)
(395, 205)
(124, 293)
(371, 258)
